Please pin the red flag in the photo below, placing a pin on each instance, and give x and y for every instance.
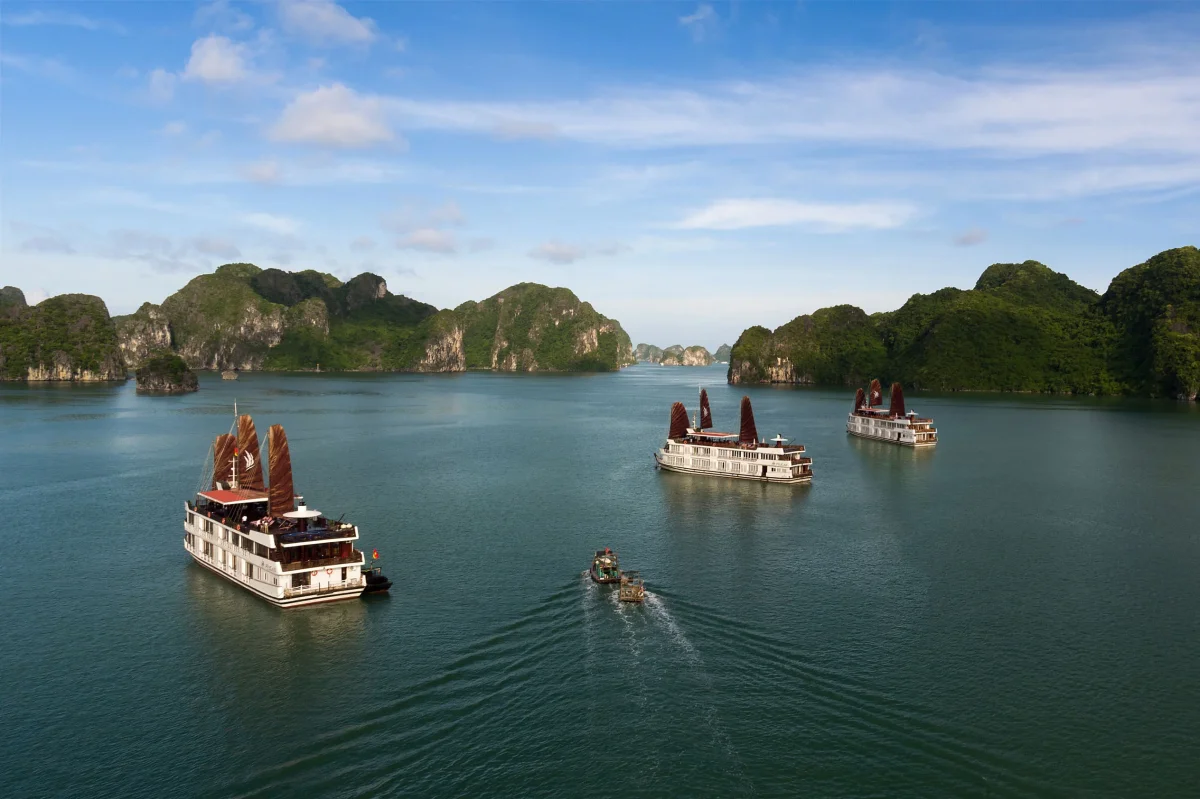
(374, 554)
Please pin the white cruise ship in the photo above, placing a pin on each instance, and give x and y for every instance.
(267, 540)
(697, 449)
(870, 419)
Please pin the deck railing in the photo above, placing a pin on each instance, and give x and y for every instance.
(316, 590)
(353, 558)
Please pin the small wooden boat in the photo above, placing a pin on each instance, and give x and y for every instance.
(632, 589)
(604, 567)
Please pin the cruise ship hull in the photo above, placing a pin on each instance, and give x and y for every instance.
(670, 467)
(882, 439)
(316, 598)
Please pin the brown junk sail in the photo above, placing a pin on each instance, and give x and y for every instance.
(875, 393)
(749, 433)
(250, 471)
(706, 421)
(223, 459)
(282, 491)
(897, 408)
(679, 421)
(860, 399)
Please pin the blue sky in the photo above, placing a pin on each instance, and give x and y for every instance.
(689, 168)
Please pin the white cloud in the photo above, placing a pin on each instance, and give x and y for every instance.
(50, 242)
(161, 85)
(700, 22)
(429, 240)
(557, 252)
(217, 59)
(411, 216)
(1141, 107)
(175, 128)
(41, 67)
(335, 116)
(273, 223)
(262, 172)
(969, 238)
(325, 22)
(736, 214)
(220, 15)
(62, 18)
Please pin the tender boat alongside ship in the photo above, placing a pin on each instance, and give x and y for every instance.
(893, 425)
(267, 540)
(697, 449)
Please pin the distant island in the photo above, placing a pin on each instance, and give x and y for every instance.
(722, 353)
(65, 338)
(1023, 327)
(245, 318)
(166, 373)
(675, 355)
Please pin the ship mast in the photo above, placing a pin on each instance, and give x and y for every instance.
(233, 481)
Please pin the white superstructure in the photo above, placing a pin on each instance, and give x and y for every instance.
(870, 419)
(269, 542)
(318, 564)
(697, 450)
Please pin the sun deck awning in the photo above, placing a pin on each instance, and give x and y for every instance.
(710, 434)
(237, 496)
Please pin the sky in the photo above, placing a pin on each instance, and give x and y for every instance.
(690, 169)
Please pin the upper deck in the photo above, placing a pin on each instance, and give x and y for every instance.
(248, 511)
(730, 441)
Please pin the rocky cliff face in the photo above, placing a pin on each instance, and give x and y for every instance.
(246, 318)
(143, 333)
(70, 337)
(647, 353)
(677, 355)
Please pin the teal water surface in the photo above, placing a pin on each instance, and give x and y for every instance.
(1015, 613)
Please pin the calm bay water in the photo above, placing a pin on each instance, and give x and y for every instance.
(1016, 613)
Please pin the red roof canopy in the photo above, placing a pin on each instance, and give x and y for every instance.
(236, 497)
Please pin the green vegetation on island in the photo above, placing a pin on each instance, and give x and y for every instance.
(166, 373)
(722, 353)
(1023, 327)
(243, 317)
(68, 337)
(647, 353)
(675, 355)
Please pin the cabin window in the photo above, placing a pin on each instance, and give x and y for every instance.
(343, 574)
(260, 550)
(191, 520)
(250, 570)
(300, 580)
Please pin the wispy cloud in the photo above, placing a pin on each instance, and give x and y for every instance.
(325, 22)
(1023, 111)
(969, 238)
(38, 66)
(220, 15)
(62, 18)
(558, 252)
(272, 223)
(262, 172)
(428, 240)
(701, 22)
(737, 214)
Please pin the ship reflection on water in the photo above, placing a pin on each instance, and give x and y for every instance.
(695, 498)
